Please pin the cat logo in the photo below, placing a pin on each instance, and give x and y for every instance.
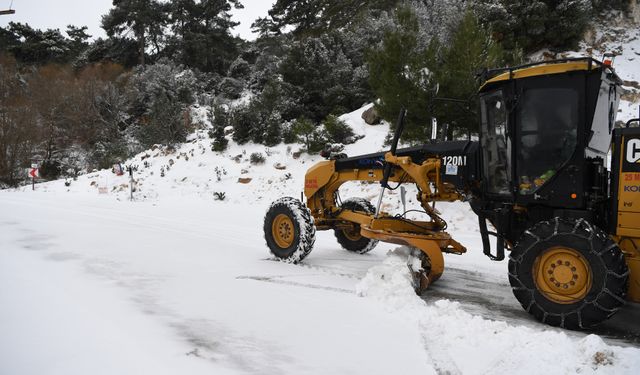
(633, 151)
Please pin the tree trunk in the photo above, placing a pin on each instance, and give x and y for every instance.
(634, 8)
(141, 47)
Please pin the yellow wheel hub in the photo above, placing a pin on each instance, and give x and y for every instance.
(283, 230)
(352, 234)
(562, 275)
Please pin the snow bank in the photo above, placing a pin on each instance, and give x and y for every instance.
(461, 343)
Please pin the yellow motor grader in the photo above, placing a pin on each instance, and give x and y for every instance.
(539, 174)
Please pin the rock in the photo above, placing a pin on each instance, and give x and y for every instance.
(244, 171)
(245, 180)
(280, 166)
(371, 117)
(297, 154)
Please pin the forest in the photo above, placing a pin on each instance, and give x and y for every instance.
(73, 103)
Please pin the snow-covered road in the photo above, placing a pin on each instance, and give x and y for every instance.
(97, 286)
(89, 284)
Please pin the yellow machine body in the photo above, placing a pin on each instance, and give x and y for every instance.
(322, 182)
(626, 202)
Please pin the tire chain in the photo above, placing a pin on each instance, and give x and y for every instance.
(581, 225)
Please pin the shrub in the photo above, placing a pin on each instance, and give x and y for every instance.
(309, 135)
(230, 88)
(337, 131)
(242, 122)
(50, 169)
(257, 158)
(239, 69)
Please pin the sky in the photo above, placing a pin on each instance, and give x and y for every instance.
(57, 14)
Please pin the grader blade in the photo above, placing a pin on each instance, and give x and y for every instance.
(432, 245)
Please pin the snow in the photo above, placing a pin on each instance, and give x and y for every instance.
(460, 343)
(177, 282)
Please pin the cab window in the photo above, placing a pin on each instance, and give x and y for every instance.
(547, 124)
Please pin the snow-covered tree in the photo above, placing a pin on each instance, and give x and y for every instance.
(535, 24)
(219, 118)
(145, 18)
(161, 94)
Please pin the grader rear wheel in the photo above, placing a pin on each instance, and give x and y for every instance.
(350, 238)
(568, 274)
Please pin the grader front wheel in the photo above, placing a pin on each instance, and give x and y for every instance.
(568, 274)
(289, 230)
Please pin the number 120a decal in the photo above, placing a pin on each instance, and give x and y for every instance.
(454, 160)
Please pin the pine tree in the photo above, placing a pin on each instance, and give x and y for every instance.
(146, 18)
(220, 121)
(400, 73)
(404, 75)
(273, 129)
(312, 17)
(201, 34)
(242, 122)
(470, 50)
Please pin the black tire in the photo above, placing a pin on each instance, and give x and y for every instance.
(300, 232)
(351, 240)
(591, 250)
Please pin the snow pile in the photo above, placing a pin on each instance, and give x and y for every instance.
(461, 343)
(390, 282)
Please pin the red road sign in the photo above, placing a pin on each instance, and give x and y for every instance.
(33, 172)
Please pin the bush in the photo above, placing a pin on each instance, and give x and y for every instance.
(337, 131)
(273, 130)
(231, 88)
(288, 134)
(239, 69)
(242, 122)
(257, 158)
(50, 169)
(309, 135)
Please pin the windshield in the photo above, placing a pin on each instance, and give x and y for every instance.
(547, 122)
(496, 144)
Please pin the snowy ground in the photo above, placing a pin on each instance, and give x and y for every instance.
(176, 282)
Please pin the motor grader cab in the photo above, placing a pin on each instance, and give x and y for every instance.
(539, 174)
